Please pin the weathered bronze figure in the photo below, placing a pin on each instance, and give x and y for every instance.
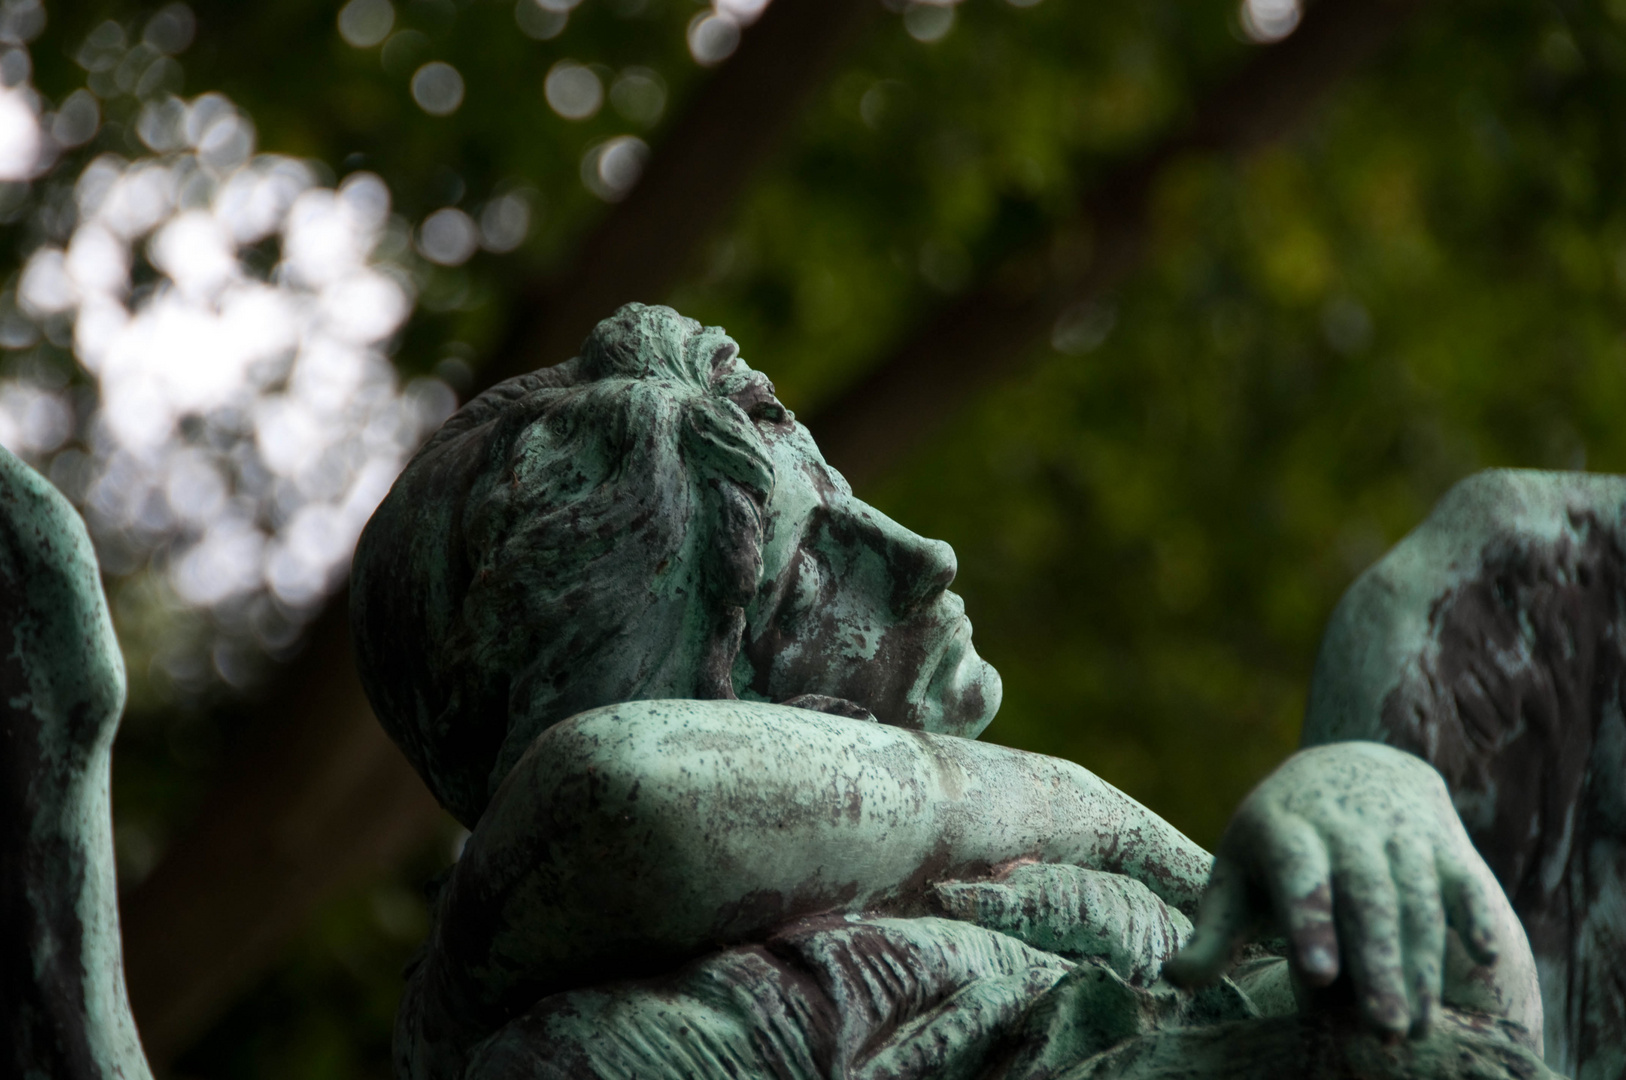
(1492, 642)
(63, 1010)
(575, 612)
(711, 722)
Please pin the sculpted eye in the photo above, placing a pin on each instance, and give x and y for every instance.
(768, 412)
(756, 399)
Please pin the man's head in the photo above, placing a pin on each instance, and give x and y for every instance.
(644, 521)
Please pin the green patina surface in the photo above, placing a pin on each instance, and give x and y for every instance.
(61, 690)
(712, 720)
(1490, 642)
(603, 611)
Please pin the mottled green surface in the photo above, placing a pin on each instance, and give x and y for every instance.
(1076, 913)
(647, 524)
(1367, 866)
(63, 1011)
(1381, 628)
(704, 886)
(1490, 642)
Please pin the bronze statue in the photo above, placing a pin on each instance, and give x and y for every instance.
(576, 612)
(711, 721)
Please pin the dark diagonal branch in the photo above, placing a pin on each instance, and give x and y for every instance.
(992, 332)
(319, 801)
(640, 251)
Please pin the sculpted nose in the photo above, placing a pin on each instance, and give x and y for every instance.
(920, 569)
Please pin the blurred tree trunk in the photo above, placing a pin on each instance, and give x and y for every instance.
(323, 800)
(318, 801)
(641, 249)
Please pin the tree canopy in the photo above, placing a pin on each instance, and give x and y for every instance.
(1170, 317)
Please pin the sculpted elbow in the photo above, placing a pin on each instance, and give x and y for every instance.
(601, 788)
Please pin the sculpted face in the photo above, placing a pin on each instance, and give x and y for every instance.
(852, 604)
(593, 533)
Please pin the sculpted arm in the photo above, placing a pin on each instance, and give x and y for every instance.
(633, 837)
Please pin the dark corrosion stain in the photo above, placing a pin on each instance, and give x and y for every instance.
(758, 912)
(832, 706)
(913, 894)
(1527, 667)
(878, 980)
(43, 1012)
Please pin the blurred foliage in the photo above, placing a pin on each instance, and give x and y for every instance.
(1153, 525)
(326, 1012)
(1326, 337)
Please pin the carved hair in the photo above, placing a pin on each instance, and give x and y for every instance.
(582, 535)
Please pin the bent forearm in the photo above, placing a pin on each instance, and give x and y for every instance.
(631, 838)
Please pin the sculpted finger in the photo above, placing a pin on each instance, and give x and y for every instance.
(1223, 920)
(1422, 927)
(1299, 878)
(1468, 909)
(1368, 910)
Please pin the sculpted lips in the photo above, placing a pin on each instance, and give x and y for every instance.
(945, 657)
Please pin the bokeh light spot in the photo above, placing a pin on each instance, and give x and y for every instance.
(19, 135)
(573, 90)
(505, 221)
(448, 237)
(611, 169)
(1083, 327)
(170, 31)
(21, 21)
(743, 12)
(437, 88)
(77, 120)
(537, 21)
(639, 95)
(15, 67)
(365, 23)
(33, 418)
(222, 137)
(928, 22)
(713, 37)
(880, 101)
(1267, 21)
(102, 48)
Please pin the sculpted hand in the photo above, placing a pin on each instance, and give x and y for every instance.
(1355, 853)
